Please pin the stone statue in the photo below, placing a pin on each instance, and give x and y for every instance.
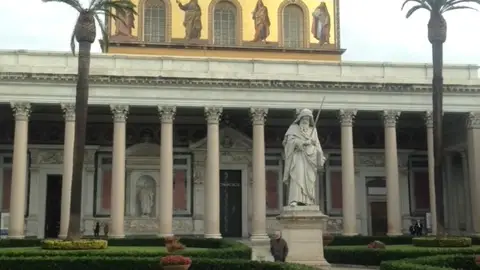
(303, 158)
(192, 21)
(124, 24)
(321, 24)
(147, 200)
(261, 22)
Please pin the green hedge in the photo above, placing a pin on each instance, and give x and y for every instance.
(340, 240)
(365, 256)
(442, 242)
(213, 248)
(440, 262)
(137, 263)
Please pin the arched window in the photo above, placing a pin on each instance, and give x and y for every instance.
(225, 24)
(154, 21)
(293, 27)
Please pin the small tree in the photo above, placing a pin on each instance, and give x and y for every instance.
(85, 33)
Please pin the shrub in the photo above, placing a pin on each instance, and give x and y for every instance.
(366, 256)
(442, 242)
(376, 245)
(439, 262)
(137, 263)
(360, 240)
(74, 245)
(175, 260)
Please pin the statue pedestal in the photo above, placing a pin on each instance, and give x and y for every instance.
(302, 228)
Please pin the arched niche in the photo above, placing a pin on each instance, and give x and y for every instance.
(145, 196)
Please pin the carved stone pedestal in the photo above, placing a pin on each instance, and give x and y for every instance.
(302, 227)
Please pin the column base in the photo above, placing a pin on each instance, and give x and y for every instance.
(117, 236)
(164, 235)
(212, 236)
(16, 236)
(62, 236)
(349, 234)
(302, 228)
(260, 244)
(394, 233)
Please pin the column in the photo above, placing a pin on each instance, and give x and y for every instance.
(394, 217)
(69, 138)
(259, 222)
(473, 146)
(466, 184)
(165, 200)
(21, 111)
(431, 171)
(348, 173)
(117, 206)
(212, 176)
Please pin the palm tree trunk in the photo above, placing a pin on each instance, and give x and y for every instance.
(437, 101)
(81, 110)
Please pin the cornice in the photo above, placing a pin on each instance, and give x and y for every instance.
(232, 83)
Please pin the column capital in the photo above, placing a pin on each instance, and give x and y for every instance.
(213, 114)
(390, 118)
(473, 120)
(21, 110)
(347, 117)
(68, 111)
(428, 119)
(258, 115)
(167, 113)
(120, 112)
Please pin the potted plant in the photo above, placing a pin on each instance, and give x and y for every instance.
(175, 262)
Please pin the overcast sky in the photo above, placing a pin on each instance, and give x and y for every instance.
(371, 30)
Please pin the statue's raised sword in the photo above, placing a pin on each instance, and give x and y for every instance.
(318, 116)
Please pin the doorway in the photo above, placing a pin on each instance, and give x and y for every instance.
(53, 205)
(231, 203)
(378, 218)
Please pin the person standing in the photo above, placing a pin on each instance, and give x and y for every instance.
(279, 248)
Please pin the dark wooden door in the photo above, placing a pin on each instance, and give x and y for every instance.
(378, 217)
(231, 203)
(53, 206)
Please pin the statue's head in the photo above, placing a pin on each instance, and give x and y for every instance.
(305, 118)
(323, 5)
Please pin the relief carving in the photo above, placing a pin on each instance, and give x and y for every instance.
(47, 157)
(370, 160)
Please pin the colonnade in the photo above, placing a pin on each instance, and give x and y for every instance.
(211, 182)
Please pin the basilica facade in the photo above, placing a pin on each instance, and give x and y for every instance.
(200, 151)
(186, 120)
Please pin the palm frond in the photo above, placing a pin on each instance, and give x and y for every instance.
(452, 3)
(125, 5)
(437, 4)
(460, 7)
(104, 32)
(73, 3)
(93, 3)
(422, 3)
(72, 42)
(413, 10)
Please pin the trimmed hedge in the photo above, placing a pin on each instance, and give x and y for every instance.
(339, 240)
(440, 262)
(213, 248)
(137, 263)
(365, 256)
(442, 242)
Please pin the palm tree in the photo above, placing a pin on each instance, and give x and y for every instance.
(85, 33)
(437, 35)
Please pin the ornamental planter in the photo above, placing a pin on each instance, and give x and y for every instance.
(176, 267)
(477, 260)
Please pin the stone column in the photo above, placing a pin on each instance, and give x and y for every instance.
(467, 189)
(212, 176)
(69, 136)
(117, 205)
(431, 170)
(16, 224)
(259, 216)
(348, 173)
(473, 146)
(165, 200)
(394, 216)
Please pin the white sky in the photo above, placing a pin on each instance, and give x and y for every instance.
(371, 30)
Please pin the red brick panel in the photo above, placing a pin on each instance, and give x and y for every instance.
(420, 190)
(336, 190)
(106, 189)
(7, 183)
(272, 189)
(180, 189)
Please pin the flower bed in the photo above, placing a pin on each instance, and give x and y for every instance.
(83, 244)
